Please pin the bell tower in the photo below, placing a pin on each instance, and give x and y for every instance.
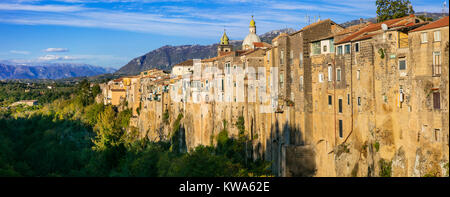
(224, 45)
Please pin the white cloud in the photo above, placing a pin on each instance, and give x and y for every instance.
(39, 8)
(20, 52)
(56, 50)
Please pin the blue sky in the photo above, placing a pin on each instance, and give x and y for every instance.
(110, 33)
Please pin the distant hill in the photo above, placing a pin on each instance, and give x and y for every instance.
(434, 16)
(167, 56)
(49, 70)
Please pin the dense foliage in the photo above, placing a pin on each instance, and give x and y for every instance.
(391, 9)
(43, 92)
(77, 137)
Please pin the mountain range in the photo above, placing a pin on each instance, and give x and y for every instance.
(165, 57)
(9, 70)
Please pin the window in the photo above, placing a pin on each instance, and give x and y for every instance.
(301, 83)
(357, 47)
(222, 85)
(330, 73)
(341, 133)
(338, 74)
(315, 48)
(228, 67)
(324, 48)
(436, 63)
(348, 99)
(332, 45)
(339, 50)
(301, 59)
(320, 77)
(358, 74)
(402, 64)
(436, 100)
(281, 57)
(291, 57)
(436, 134)
(359, 101)
(437, 36)
(340, 105)
(390, 36)
(330, 100)
(423, 37)
(347, 48)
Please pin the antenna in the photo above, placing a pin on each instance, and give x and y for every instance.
(444, 8)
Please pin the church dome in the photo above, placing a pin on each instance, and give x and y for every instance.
(251, 37)
(249, 40)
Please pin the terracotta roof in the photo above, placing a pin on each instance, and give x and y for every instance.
(352, 28)
(258, 44)
(118, 80)
(250, 51)
(261, 44)
(316, 23)
(374, 27)
(218, 57)
(364, 37)
(436, 24)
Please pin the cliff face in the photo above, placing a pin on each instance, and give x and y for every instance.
(165, 57)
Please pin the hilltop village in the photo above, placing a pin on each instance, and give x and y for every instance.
(322, 101)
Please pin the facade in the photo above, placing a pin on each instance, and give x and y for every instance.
(323, 101)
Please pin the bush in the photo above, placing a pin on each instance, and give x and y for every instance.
(385, 168)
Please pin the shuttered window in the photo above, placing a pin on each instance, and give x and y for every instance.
(437, 36)
(436, 100)
(341, 132)
(402, 64)
(437, 63)
(340, 105)
(330, 73)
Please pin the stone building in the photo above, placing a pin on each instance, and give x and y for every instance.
(322, 101)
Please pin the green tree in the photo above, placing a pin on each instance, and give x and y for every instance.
(391, 9)
(425, 18)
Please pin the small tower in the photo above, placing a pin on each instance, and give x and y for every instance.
(252, 27)
(251, 38)
(224, 45)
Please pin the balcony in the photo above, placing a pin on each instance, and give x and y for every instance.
(437, 70)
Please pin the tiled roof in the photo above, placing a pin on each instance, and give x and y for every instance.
(316, 23)
(375, 27)
(436, 24)
(218, 57)
(258, 44)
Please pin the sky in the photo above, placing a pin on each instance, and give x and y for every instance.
(109, 33)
